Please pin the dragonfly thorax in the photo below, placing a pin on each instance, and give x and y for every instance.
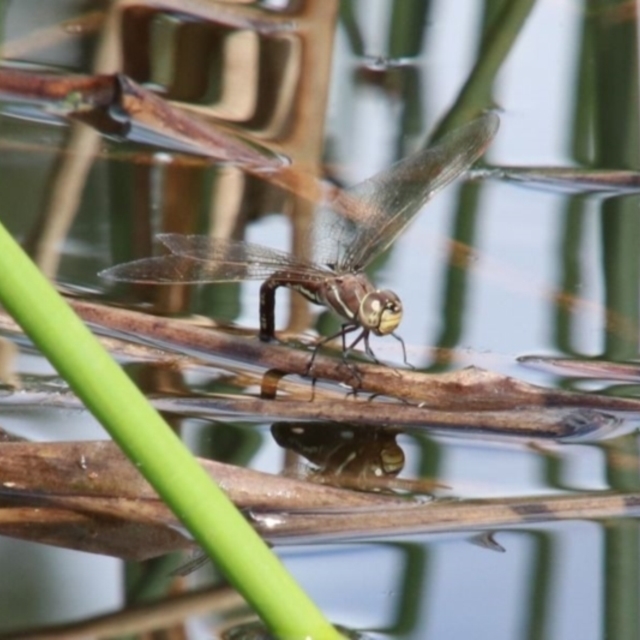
(353, 297)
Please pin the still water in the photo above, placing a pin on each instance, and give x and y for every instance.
(373, 80)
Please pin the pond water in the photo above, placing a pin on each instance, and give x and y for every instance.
(551, 270)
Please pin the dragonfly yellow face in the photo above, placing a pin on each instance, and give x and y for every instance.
(368, 218)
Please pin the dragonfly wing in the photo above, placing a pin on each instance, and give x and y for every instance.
(198, 259)
(380, 208)
(332, 234)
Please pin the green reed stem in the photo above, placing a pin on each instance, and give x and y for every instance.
(157, 452)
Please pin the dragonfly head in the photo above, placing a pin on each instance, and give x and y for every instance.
(380, 312)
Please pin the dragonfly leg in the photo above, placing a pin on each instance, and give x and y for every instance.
(345, 349)
(345, 354)
(404, 351)
(369, 351)
(367, 346)
(346, 328)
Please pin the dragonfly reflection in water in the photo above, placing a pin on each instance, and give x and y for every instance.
(344, 455)
(362, 223)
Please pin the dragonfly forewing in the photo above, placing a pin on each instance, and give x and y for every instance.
(378, 209)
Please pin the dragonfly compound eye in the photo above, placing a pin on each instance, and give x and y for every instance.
(380, 312)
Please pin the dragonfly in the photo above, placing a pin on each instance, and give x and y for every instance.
(356, 227)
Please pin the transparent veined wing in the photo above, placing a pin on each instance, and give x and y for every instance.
(364, 221)
(377, 210)
(198, 258)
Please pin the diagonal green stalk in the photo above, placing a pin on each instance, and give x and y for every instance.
(161, 457)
